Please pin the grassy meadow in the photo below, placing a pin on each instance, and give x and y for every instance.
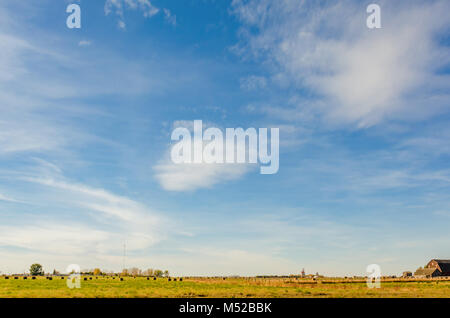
(140, 287)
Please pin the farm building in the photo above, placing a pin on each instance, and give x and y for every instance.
(426, 273)
(434, 268)
(442, 265)
(406, 274)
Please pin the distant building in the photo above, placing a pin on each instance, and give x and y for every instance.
(407, 274)
(426, 273)
(442, 265)
(434, 268)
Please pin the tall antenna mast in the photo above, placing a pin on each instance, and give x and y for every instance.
(124, 254)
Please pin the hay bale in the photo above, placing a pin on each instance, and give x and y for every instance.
(6, 277)
(16, 277)
(90, 278)
(148, 278)
(154, 278)
(181, 279)
(24, 277)
(170, 279)
(62, 277)
(174, 279)
(33, 277)
(85, 278)
(121, 279)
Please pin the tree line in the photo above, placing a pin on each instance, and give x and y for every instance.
(38, 270)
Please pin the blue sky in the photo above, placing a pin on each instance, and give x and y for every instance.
(87, 116)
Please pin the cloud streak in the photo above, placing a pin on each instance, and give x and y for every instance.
(364, 76)
(103, 222)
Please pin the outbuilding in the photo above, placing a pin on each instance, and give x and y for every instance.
(426, 273)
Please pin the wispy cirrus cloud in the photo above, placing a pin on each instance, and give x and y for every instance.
(7, 198)
(363, 76)
(101, 222)
(40, 100)
(100, 200)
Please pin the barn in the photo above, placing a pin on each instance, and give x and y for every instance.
(442, 265)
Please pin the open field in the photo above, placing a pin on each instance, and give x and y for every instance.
(217, 287)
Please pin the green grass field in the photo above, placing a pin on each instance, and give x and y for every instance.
(214, 287)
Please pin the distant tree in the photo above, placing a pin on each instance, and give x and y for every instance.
(55, 272)
(135, 271)
(97, 271)
(125, 272)
(158, 273)
(166, 273)
(36, 270)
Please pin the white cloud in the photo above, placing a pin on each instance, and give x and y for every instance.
(193, 176)
(189, 177)
(118, 6)
(364, 76)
